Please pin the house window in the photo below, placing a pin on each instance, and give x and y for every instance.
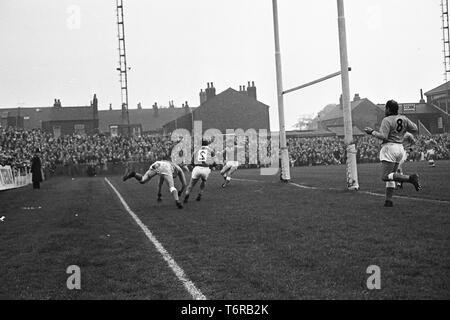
(79, 129)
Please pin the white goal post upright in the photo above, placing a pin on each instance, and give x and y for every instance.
(285, 170)
(352, 172)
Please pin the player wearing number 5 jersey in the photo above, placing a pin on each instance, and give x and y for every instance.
(203, 160)
(392, 133)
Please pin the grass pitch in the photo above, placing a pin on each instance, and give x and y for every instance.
(256, 239)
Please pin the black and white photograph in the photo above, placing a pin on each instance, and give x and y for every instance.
(241, 152)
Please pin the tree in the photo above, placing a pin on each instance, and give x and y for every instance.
(304, 122)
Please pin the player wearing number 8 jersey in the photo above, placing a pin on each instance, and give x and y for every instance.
(203, 159)
(392, 133)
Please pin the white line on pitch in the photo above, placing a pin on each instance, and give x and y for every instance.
(374, 194)
(408, 198)
(250, 180)
(303, 187)
(189, 285)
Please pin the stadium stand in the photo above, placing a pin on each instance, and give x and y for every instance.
(73, 154)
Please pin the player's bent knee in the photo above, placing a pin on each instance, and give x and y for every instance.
(172, 189)
(388, 176)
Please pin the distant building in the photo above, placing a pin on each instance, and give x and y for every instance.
(436, 114)
(230, 109)
(364, 114)
(431, 116)
(57, 119)
(149, 120)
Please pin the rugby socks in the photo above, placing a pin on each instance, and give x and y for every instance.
(175, 194)
(389, 194)
(202, 187)
(399, 177)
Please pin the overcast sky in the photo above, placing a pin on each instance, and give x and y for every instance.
(175, 47)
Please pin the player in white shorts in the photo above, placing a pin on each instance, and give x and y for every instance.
(392, 133)
(167, 171)
(203, 159)
(408, 142)
(430, 154)
(228, 170)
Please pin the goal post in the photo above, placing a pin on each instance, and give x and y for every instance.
(284, 154)
(352, 172)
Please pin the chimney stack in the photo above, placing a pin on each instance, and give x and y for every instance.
(110, 106)
(357, 97)
(210, 91)
(251, 90)
(421, 96)
(95, 106)
(202, 96)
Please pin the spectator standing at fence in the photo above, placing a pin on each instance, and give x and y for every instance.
(36, 170)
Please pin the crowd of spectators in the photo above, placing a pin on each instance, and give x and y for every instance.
(17, 147)
(332, 150)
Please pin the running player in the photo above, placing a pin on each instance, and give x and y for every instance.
(228, 170)
(167, 171)
(202, 162)
(231, 166)
(392, 132)
(431, 153)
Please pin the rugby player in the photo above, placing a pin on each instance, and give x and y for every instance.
(203, 160)
(430, 154)
(167, 171)
(228, 170)
(392, 133)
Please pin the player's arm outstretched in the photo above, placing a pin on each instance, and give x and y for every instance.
(383, 133)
